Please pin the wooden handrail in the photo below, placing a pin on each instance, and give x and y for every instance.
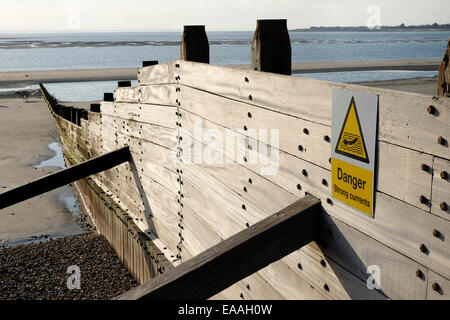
(237, 257)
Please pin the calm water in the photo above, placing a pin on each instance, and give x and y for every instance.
(115, 50)
(107, 50)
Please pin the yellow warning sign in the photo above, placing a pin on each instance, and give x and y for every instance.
(353, 185)
(351, 140)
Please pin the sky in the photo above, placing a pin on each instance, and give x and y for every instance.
(171, 15)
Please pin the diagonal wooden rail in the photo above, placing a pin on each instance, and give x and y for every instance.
(237, 257)
(63, 177)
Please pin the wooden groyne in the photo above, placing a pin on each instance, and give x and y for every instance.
(182, 208)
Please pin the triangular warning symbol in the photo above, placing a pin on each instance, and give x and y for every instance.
(351, 140)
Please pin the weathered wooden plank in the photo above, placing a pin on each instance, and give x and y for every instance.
(160, 155)
(157, 74)
(167, 234)
(290, 178)
(221, 221)
(220, 266)
(166, 137)
(398, 265)
(329, 278)
(355, 251)
(164, 95)
(440, 203)
(288, 283)
(404, 237)
(160, 115)
(404, 119)
(254, 287)
(438, 287)
(197, 236)
(63, 177)
(404, 174)
(400, 169)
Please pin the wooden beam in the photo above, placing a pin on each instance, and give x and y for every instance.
(66, 176)
(444, 74)
(194, 44)
(271, 47)
(237, 257)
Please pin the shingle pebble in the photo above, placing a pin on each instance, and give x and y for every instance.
(39, 271)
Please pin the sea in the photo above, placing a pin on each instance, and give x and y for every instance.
(129, 49)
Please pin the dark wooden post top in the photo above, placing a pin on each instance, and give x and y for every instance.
(444, 74)
(271, 47)
(149, 63)
(194, 44)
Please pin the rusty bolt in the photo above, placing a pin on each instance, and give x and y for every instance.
(441, 141)
(423, 200)
(422, 248)
(444, 175)
(436, 233)
(425, 167)
(419, 274)
(444, 206)
(431, 110)
(435, 287)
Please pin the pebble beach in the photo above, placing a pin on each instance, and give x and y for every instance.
(39, 271)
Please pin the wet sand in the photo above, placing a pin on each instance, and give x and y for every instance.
(25, 78)
(426, 86)
(26, 130)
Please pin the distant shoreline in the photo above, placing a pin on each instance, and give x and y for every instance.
(400, 28)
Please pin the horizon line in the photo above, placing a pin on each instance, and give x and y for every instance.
(181, 29)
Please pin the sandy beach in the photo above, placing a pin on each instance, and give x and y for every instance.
(26, 130)
(26, 78)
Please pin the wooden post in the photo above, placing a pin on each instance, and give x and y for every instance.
(108, 97)
(194, 44)
(84, 115)
(95, 107)
(73, 117)
(149, 63)
(237, 257)
(271, 47)
(124, 84)
(444, 74)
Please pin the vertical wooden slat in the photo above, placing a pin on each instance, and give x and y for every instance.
(194, 44)
(271, 47)
(444, 74)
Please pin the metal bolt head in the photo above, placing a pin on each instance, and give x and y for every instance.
(444, 175)
(422, 248)
(435, 286)
(423, 200)
(425, 167)
(431, 110)
(441, 141)
(436, 233)
(444, 206)
(419, 274)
